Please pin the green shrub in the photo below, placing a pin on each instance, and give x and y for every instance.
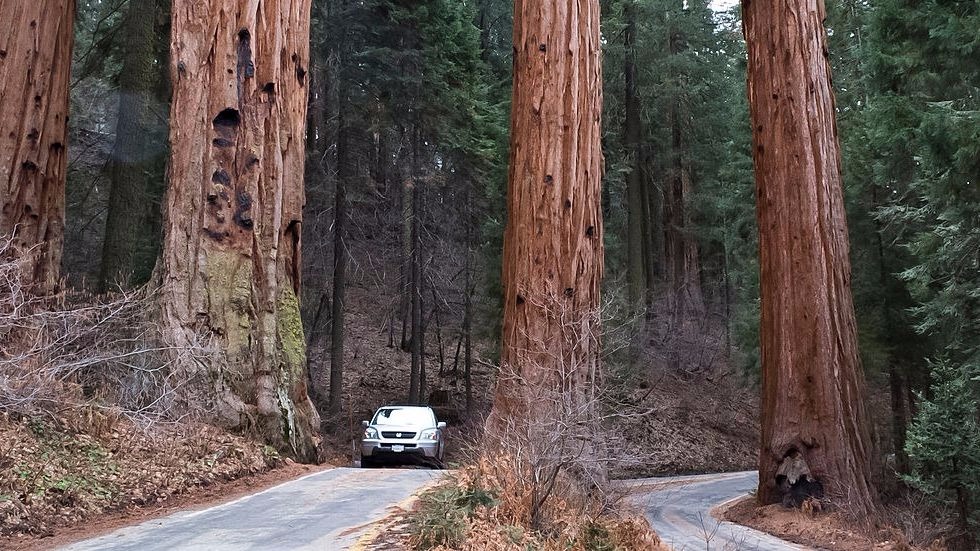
(443, 514)
(943, 444)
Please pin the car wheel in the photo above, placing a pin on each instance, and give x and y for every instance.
(367, 462)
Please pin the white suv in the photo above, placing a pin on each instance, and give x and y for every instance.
(397, 433)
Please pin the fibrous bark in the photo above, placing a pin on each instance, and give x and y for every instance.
(813, 387)
(35, 60)
(553, 255)
(231, 254)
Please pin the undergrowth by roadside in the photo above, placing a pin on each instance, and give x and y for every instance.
(57, 471)
(92, 415)
(911, 524)
(486, 507)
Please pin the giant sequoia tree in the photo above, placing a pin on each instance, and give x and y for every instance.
(231, 252)
(553, 253)
(35, 58)
(813, 416)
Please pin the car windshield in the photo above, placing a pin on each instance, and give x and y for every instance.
(404, 416)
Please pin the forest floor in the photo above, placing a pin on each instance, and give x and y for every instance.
(830, 530)
(66, 478)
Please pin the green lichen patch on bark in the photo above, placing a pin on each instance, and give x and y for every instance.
(299, 419)
(230, 301)
(229, 290)
(292, 339)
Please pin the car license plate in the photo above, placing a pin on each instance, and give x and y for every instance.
(397, 448)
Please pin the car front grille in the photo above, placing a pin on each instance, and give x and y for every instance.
(408, 435)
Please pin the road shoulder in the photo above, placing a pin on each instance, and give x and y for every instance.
(201, 497)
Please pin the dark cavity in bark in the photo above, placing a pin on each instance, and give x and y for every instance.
(246, 67)
(227, 118)
(795, 481)
(241, 217)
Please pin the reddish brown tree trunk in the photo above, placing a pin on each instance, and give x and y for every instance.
(231, 258)
(35, 61)
(553, 256)
(813, 387)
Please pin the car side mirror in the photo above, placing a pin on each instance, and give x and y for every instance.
(441, 425)
(365, 424)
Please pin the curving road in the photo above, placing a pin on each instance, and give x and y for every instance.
(332, 510)
(328, 510)
(679, 509)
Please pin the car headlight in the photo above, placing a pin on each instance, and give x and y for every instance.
(430, 434)
(370, 433)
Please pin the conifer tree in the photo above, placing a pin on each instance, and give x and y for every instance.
(814, 425)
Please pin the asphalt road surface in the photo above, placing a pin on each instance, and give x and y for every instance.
(331, 510)
(679, 509)
(328, 510)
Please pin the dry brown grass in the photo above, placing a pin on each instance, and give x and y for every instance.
(491, 506)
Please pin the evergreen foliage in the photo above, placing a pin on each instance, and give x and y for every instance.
(691, 83)
(944, 443)
(923, 148)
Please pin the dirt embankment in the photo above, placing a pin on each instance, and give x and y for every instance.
(831, 530)
(66, 479)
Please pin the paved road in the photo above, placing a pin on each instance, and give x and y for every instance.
(330, 510)
(679, 508)
(327, 510)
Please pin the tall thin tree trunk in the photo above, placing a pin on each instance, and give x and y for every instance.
(681, 247)
(468, 302)
(654, 199)
(483, 23)
(651, 246)
(683, 271)
(896, 381)
(727, 295)
(415, 382)
(634, 182)
(136, 168)
(553, 255)
(691, 283)
(230, 270)
(339, 265)
(900, 419)
(407, 263)
(813, 404)
(423, 381)
(35, 60)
